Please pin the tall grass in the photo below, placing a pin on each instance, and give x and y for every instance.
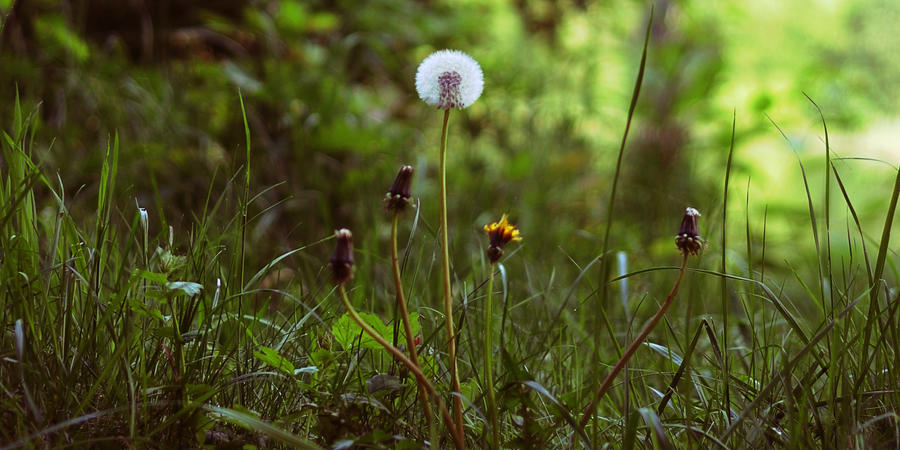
(121, 330)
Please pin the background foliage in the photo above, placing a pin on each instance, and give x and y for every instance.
(332, 112)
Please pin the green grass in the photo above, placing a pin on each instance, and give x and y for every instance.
(113, 335)
(118, 331)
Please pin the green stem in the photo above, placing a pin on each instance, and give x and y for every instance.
(607, 382)
(458, 438)
(488, 359)
(404, 317)
(179, 351)
(445, 262)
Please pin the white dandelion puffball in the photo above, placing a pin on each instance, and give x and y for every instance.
(449, 79)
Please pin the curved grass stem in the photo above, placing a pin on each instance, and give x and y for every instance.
(404, 317)
(607, 382)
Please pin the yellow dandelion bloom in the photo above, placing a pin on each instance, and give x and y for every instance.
(500, 234)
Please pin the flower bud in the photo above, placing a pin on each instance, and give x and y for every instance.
(342, 260)
(688, 239)
(398, 196)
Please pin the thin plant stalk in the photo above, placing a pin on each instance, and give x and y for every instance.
(488, 359)
(445, 263)
(607, 382)
(404, 317)
(458, 438)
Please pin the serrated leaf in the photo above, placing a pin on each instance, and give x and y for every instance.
(271, 357)
(346, 331)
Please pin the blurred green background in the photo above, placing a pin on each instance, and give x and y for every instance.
(333, 112)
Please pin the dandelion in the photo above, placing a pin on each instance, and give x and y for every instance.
(449, 79)
(500, 234)
(688, 239)
(397, 197)
(342, 260)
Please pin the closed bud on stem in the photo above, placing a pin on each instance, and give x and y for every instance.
(688, 239)
(342, 259)
(398, 197)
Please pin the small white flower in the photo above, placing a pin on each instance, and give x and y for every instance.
(449, 79)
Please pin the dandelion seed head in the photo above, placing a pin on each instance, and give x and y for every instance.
(449, 79)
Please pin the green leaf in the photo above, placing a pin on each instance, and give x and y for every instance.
(271, 357)
(188, 287)
(320, 357)
(346, 331)
(261, 426)
(55, 30)
(414, 327)
(292, 16)
(152, 276)
(163, 332)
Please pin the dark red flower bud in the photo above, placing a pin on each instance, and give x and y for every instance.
(398, 196)
(342, 260)
(688, 239)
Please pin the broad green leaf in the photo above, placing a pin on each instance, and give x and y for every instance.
(346, 331)
(261, 426)
(271, 357)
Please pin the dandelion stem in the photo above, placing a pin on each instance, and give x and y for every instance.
(488, 359)
(445, 262)
(404, 317)
(458, 438)
(607, 382)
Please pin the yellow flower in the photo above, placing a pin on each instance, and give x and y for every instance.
(500, 234)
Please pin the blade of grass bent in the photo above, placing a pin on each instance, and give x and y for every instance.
(827, 208)
(612, 195)
(876, 277)
(725, 369)
(812, 212)
(786, 372)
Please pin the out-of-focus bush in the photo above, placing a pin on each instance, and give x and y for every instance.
(332, 110)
